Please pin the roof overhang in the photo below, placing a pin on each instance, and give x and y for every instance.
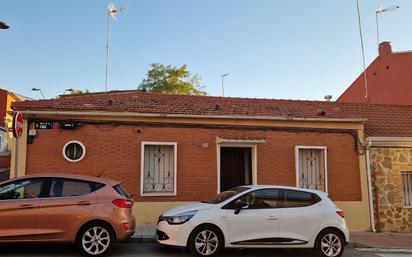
(30, 113)
(234, 120)
(389, 141)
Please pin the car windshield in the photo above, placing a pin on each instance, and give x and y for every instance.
(226, 195)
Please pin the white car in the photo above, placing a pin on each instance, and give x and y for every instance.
(256, 217)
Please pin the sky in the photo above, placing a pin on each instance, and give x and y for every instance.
(291, 49)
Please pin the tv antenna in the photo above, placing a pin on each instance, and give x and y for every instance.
(112, 10)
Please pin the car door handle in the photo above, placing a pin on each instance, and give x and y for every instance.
(26, 206)
(272, 218)
(83, 203)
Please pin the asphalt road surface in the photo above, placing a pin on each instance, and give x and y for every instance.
(154, 250)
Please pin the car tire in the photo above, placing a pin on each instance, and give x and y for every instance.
(205, 241)
(95, 239)
(329, 243)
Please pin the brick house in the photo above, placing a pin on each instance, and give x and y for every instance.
(389, 79)
(390, 154)
(169, 149)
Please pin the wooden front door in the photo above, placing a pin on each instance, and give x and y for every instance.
(235, 167)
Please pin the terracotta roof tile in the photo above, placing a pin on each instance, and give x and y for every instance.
(382, 120)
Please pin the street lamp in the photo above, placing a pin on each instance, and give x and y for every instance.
(223, 76)
(38, 89)
(4, 25)
(379, 11)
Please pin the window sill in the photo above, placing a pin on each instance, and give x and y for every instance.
(158, 194)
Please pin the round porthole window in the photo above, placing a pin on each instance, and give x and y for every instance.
(74, 151)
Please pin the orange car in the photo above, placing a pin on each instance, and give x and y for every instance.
(61, 208)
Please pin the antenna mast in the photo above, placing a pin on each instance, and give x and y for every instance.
(367, 99)
(111, 11)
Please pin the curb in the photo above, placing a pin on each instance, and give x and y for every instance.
(384, 250)
(357, 245)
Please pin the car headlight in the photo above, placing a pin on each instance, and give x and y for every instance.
(181, 218)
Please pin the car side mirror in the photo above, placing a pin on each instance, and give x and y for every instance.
(239, 204)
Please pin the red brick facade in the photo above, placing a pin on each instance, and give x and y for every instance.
(389, 79)
(116, 150)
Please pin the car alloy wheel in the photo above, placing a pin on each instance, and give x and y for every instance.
(206, 242)
(96, 240)
(331, 245)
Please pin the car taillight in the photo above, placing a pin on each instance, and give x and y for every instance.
(123, 203)
(341, 213)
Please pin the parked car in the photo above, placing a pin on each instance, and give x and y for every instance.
(92, 212)
(257, 216)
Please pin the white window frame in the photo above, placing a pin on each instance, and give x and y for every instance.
(405, 173)
(142, 193)
(76, 142)
(325, 151)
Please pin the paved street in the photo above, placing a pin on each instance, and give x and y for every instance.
(152, 250)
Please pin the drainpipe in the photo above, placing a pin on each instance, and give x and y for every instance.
(368, 171)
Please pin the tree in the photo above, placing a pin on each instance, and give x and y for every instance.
(77, 91)
(172, 80)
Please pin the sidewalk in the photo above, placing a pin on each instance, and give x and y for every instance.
(145, 233)
(383, 240)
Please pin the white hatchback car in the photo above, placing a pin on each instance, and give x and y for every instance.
(256, 217)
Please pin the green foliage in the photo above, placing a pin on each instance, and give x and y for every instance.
(78, 91)
(172, 80)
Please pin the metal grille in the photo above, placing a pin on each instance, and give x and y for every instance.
(312, 169)
(159, 164)
(407, 189)
(74, 151)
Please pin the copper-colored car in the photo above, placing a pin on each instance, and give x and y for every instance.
(92, 212)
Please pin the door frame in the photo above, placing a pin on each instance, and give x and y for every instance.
(253, 156)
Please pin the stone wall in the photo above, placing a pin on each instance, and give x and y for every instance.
(387, 165)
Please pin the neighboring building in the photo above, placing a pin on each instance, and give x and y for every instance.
(391, 168)
(390, 154)
(4, 155)
(169, 149)
(6, 98)
(389, 79)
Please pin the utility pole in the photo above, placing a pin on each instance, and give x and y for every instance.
(223, 76)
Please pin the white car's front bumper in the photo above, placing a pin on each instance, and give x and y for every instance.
(174, 235)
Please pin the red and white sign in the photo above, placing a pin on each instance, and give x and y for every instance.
(18, 124)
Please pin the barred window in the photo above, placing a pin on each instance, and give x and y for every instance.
(158, 168)
(311, 167)
(407, 189)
